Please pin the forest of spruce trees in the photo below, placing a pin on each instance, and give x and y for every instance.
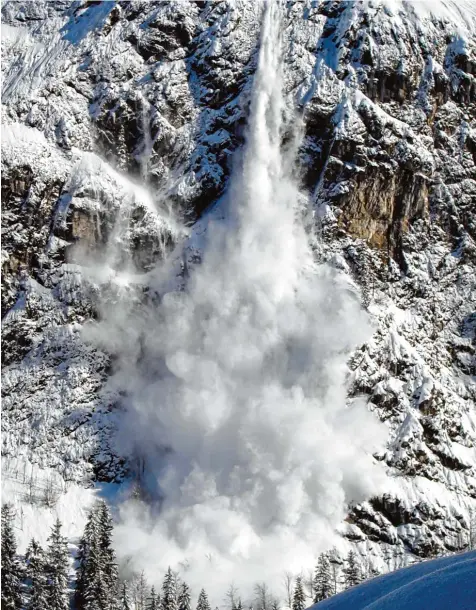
(41, 579)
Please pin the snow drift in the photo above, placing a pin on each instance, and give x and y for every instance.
(440, 584)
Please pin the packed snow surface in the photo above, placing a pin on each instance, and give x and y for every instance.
(441, 584)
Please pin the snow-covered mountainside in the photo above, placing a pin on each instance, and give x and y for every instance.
(433, 585)
(119, 124)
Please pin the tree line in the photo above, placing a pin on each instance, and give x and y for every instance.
(40, 580)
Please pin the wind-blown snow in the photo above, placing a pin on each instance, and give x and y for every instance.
(235, 387)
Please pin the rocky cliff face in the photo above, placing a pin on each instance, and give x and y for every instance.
(120, 117)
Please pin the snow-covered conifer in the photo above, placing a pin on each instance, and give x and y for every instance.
(203, 603)
(168, 600)
(299, 599)
(106, 552)
(57, 569)
(11, 584)
(124, 600)
(351, 571)
(322, 584)
(96, 592)
(90, 533)
(96, 582)
(36, 576)
(184, 597)
(153, 601)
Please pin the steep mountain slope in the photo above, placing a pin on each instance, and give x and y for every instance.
(120, 119)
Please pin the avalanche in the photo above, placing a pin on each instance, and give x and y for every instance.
(121, 126)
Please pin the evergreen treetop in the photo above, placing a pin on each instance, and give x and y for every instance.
(299, 599)
(203, 603)
(351, 571)
(89, 535)
(57, 569)
(184, 597)
(11, 583)
(322, 583)
(96, 582)
(36, 576)
(168, 599)
(124, 602)
(153, 601)
(106, 551)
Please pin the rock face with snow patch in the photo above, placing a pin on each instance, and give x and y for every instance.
(119, 117)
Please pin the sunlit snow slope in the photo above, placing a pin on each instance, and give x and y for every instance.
(440, 584)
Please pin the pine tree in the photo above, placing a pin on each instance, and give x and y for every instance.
(153, 601)
(322, 583)
(108, 556)
(184, 597)
(36, 576)
(11, 585)
(275, 605)
(351, 571)
(203, 603)
(124, 602)
(96, 593)
(168, 600)
(89, 534)
(57, 570)
(299, 599)
(96, 582)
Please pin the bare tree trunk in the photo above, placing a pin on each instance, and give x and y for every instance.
(472, 531)
(50, 493)
(231, 597)
(309, 585)
(262, 597)
(288, 587)
(30, 495)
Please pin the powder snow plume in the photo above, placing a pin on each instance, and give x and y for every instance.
(235, 386)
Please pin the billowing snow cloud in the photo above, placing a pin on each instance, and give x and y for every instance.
(235, 386)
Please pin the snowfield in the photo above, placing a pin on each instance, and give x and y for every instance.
(441, 584)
